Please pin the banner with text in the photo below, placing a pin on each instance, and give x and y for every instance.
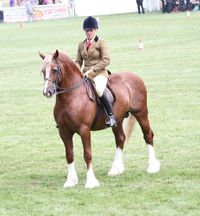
(41, 12)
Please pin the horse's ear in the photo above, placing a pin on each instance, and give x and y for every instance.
(41, 55)
(56, 54)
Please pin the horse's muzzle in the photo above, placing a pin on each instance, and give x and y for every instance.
(49, 92)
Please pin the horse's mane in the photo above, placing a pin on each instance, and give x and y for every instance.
(66, 60)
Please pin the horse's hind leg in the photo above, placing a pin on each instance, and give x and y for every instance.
(142, 118)
(117, 165)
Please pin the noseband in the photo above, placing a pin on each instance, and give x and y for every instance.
(59, 90)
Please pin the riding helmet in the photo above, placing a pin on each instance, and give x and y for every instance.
(90, 23)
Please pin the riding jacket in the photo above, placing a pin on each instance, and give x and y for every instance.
(96, 57)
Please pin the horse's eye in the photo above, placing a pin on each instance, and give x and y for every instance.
(55, 70)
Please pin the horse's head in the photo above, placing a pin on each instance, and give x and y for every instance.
(52, 73)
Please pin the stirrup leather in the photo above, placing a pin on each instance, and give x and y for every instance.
(111, 121)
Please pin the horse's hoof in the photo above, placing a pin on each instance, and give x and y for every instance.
(92, 184)
(154, 167)
(116, 170)
(70, 183)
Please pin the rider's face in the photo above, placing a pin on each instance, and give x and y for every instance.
(90, 33)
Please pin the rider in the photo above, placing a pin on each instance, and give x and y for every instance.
(94, 56)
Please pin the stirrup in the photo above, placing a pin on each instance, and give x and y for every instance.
(111, 122)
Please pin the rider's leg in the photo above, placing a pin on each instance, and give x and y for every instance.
(100, 84)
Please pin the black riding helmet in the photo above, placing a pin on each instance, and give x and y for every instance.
(90, 23)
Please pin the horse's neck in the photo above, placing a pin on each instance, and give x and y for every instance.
(71, 76)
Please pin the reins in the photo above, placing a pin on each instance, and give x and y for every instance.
(60, 90)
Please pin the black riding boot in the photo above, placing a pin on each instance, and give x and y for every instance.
(108, 107)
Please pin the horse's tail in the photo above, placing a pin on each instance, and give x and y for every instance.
(128, 125)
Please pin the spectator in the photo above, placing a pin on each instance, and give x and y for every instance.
(163, 6)
(169, 6)
(40, 2)
(140, 5)
(19, 2)
(12, 3)
(48, 2)
(182, 5)
(196, 5)
(189, 5)
(29, 4)
(1, 15)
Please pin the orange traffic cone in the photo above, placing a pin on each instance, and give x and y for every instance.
(20, 25)
(140, 45)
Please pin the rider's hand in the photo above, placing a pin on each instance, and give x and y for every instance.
(89, 73)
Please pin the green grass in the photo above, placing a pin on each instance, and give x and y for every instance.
(32, 160)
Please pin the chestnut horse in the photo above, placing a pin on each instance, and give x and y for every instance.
(74, 113)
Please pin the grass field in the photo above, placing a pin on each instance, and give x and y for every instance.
(32, 160)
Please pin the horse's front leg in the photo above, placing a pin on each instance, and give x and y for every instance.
(91, 181)
(72, 178)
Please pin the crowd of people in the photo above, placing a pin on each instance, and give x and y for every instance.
(37, 2)
(169, 6)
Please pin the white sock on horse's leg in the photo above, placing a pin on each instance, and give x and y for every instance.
(72, 178)
(91, 181)
(154, 164)
(117, 166)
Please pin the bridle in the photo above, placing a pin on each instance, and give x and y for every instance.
(59, 90)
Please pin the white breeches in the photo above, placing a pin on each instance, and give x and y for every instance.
(100, 84)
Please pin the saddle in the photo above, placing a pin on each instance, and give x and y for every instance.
(93, 96)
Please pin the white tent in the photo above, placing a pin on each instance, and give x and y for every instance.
(105, 7)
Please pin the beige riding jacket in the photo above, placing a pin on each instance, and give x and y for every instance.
(96, 57)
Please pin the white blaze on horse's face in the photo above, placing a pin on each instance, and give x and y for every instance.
(49, 85)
